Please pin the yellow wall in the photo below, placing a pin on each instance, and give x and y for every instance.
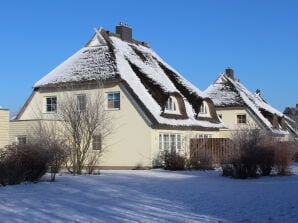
(133, 142)
(4, 127)
(128, 146)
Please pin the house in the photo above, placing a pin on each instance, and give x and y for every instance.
(4, 127)
(238, 108)
(154, 107)
(292, 112)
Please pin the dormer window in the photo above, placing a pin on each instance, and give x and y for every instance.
(204, 110)
(172, 106)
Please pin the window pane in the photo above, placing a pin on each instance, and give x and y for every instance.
(117, 96)
(160, 141)
(166, 142)
(173, 142)
(116, 104)
(179, 142)
(110, 104)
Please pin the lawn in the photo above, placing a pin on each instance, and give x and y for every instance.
(152, 196)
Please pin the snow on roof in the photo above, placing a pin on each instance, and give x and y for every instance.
(107, 56)
(229, 92)
(89, 63)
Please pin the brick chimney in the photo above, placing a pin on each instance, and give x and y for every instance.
(124, 31)
(296, 105)
(230, 73)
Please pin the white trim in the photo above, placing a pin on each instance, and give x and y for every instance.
(174, 107)
(107, 101)
(204, 110)
(45, 104)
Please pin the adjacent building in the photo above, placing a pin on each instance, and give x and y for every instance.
(4, 127)
(292, 112)
(239, 108)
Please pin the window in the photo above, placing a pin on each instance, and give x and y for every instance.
(113, 100)
(172, 105)
(21, 140)
(170, 142)
(96, 142)
(241, 119)
(204, 136)
(204, 109)
(81, 100)
(51, 104)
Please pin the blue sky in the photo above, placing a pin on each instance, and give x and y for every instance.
(258, 38)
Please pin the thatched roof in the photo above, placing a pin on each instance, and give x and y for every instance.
(228, 92)
(107, 56)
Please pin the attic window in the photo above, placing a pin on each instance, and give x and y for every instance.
(241, 119)
(172, 106)
(204, 110)
(51, 104)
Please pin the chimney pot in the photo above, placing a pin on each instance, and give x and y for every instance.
(124, 31)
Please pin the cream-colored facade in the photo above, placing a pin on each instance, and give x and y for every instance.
(133, 143)
(4, 127)
(229, 119)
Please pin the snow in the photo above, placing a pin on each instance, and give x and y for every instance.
(153, 196)
(124, 52)
(224, 95)
(95, 61)
(83, 65)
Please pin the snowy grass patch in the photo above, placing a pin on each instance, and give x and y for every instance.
(153, 196)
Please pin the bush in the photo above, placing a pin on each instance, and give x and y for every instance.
(282, 159)
(257, 155)
(172, 160)
(265, 160)
(56, 157)
(20, 163)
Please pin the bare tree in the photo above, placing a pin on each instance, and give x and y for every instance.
(85, 125)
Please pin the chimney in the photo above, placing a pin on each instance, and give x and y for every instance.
(258, 92)
(230, 73)
(124, 31)
(296, 105)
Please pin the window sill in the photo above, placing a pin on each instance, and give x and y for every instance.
(172, 112)
(112, 109)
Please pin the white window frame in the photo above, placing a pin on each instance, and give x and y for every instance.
(166, 142)
(46, 104)
(204, 110)
(97, 141)
(107, 97)
(80, 105)
(172, 106)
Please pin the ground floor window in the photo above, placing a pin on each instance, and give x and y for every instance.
(96, 142)
(170, 142)
(21, 140)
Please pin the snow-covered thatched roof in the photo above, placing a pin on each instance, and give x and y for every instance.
(228, 92)
(108, 56)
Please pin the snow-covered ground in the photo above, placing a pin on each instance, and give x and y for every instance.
(153, 196)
